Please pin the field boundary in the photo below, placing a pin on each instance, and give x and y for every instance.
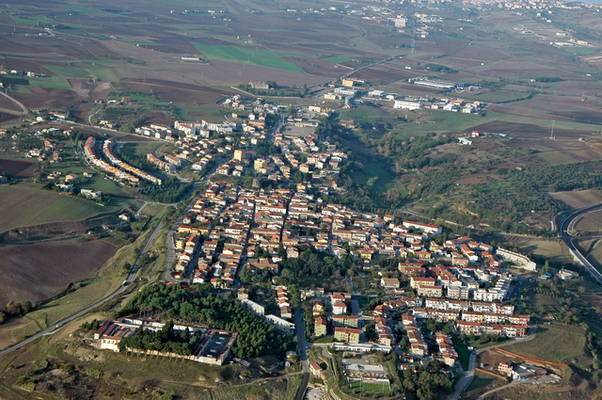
(509, 353)
(484, 371)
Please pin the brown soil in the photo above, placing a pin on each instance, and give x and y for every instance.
(38, 271)
(18, 168)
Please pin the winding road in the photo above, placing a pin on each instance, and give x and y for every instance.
(564, 232)
(121, 289)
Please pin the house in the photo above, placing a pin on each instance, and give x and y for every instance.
(315, 369)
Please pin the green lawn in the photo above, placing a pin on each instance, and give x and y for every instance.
(262, 57)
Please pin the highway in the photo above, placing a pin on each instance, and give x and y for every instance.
(564, 228)
(121, 289)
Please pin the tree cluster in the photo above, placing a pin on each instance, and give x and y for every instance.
(313, 269)
(12, 310)
(428, 382)
(202, 304)
(164, 340)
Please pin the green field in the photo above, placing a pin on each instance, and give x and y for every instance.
(51, 82)
(556, 343)
(262, 57)
(28, 204)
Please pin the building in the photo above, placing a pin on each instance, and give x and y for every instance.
(427, 228)
(347, 335)
(567, 274)
(214, 346)
(315, 369)
(400, 22)
(389, 283)
(407, 105)
(519, 260)
(320, 327)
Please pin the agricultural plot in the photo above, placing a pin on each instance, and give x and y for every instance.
(29, 204)
(40, 270)
(556, 343)
(263, 57)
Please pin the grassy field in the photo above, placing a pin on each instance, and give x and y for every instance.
(556, 343)
(262, 57)
(27, 204)
(480, 381)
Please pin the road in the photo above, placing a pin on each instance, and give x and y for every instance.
(121, 289)
(466, 379)
(301, 351)
(564, 228)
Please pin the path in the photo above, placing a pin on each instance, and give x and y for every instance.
(24, 110)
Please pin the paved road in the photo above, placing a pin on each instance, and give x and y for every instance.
(466, 379)
(301, 351)
(564, 229)
(132, 274)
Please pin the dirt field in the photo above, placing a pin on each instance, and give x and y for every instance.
(591, 222)
(579, 198)
(553, 249)
(593, 250)
(38, 271)
(18, 168)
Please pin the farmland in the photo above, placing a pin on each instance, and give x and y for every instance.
(556, 343)
(37, 271)
(266, 58)
(28, 204)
